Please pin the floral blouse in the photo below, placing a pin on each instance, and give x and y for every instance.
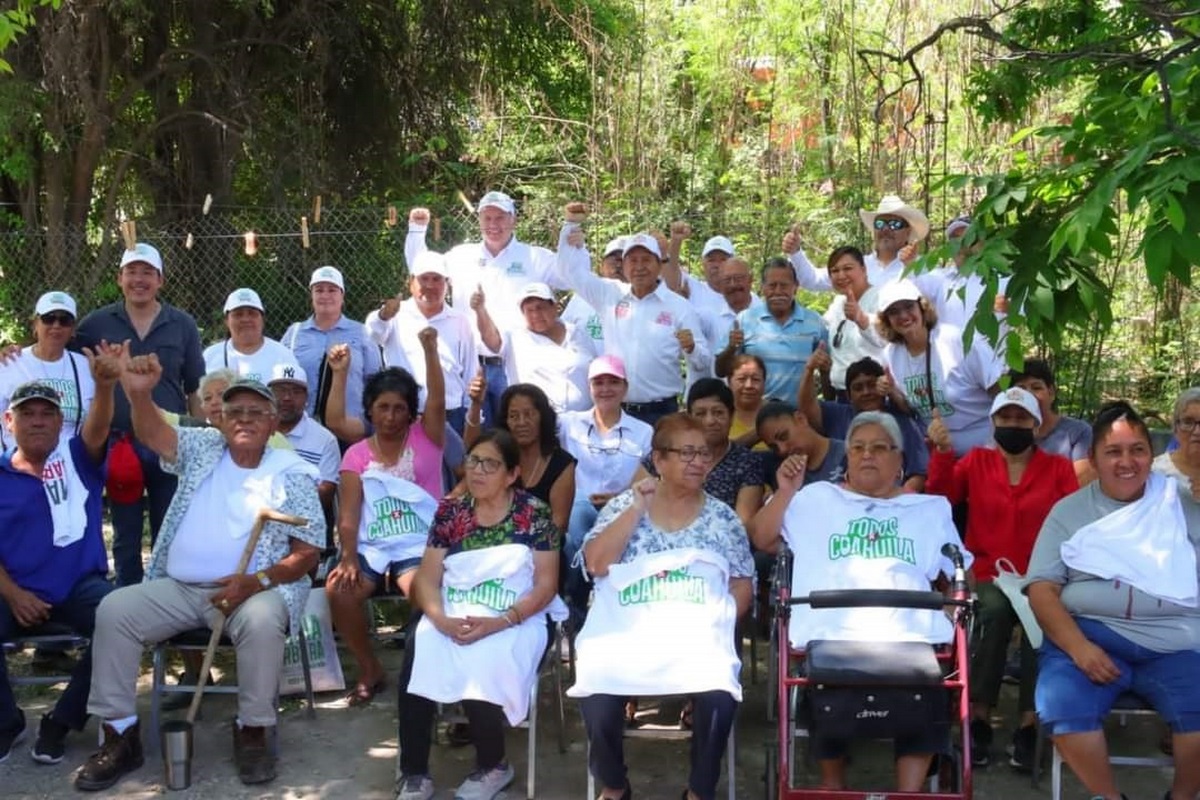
(197, 454)
(455, 528)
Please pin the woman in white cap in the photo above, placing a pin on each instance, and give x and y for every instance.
(550, 354)
(247, 352)
(47, 361)
(1010, 490)
(927, 369)
(311, 339)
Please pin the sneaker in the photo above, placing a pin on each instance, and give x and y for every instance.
(981, 743)
(11, 737)
(481, 785)
(1022, 749)
(415, 787)
(120, 754)
(51, 742)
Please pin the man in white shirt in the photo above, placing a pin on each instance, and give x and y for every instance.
(577, 311)
(647, 325)
(897, 228)
(395, 326)
(958, 298)
(311, 440)
(500, 266)
(707, 296)
(247, 351)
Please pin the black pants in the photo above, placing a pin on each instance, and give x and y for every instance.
(485, 720)
(712, 719)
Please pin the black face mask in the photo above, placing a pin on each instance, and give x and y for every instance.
(1013, 440)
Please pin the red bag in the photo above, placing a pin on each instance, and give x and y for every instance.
(125, 483)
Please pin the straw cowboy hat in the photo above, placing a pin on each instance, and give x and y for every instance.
(918, 223)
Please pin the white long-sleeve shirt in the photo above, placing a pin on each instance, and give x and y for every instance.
(641, 331)
(402, 347)
(878, 274)
(503, 277)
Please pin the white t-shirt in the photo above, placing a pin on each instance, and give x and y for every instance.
(849, 343)
(253, 366)
(559, 370)
(844, 540)
(960, 384)
(74, 385)
(316, 445)
(202, 552)
(455, 344)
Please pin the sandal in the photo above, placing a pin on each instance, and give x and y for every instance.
(362, 694)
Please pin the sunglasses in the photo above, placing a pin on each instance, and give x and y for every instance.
(890, 224)
(58, 318)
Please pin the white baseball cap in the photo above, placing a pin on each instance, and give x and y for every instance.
(1020, 398)
(644, 241)
(428, 261)
(539, 290)
(719, 244)
(328, 275)
(243, 298)
(55, 301)
(142, 253)
(616, 245)
(498, 200)
(897, 291)
(289, 373)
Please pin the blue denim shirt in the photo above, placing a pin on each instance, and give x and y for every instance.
(310, 344)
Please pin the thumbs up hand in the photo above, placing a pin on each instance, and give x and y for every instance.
(853, 311)
(820, 359)
(737, 337)
(477, 298)
(885, 384)
(938, 433)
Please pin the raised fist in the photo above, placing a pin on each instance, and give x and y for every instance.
(428, 338)
(791, 242)
(338, 358)
(575, 211)
(680, 230)
(419, 216)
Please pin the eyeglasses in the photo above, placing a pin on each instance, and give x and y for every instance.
(247, 413)
(603, 450)
(689, 454)
(890, 224)
(1187, 425)
(837, 335)
(485, 465)
(58, 318)
(876, 449)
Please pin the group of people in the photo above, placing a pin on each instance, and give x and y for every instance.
(503, 460)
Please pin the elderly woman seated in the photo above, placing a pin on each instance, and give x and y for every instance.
(673, 573)
(864, 534)
(1113, 583)
(489, 572)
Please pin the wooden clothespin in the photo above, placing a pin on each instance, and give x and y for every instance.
(129, 234)
(316, 215)
(251, 243)
(437, 229)
(462, 198)
(304, 232)
(207, 204)
(393, 217)
(188, 242)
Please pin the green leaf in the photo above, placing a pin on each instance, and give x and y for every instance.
(1174, 213)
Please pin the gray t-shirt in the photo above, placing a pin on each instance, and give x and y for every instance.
(1142, 619)
(1070, 437)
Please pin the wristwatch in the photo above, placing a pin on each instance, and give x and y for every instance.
(263, 579)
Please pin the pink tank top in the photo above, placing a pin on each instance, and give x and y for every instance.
(421, 461)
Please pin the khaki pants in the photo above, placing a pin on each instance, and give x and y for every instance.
(132, 617)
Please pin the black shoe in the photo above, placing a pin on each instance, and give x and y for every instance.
(51, 742)
(11, 736)
(120, 754)
(981, 743)
(1024, 745)
(52, 662)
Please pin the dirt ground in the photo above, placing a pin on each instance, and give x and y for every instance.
(351, 753)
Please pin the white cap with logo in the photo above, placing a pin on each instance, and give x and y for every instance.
(1020, 398)
(614, 247)
(717, 244)
(289, 373)
(644, 241)
(243, 298)
(144, 254)
(430, 262)
(539, 290)
(328, 275)
(498, 200)
(55, 301)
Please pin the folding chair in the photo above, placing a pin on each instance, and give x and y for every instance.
(1126, 705)
(50, 633)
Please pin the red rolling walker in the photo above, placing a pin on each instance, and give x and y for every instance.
(843, 697)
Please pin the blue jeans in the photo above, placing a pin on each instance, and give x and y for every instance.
(457, 418)
(1069, 702)
(497, 382)
(576, 586)
(129, 518)
(77, 612)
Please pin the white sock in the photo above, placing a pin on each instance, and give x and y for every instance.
(120, 725)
